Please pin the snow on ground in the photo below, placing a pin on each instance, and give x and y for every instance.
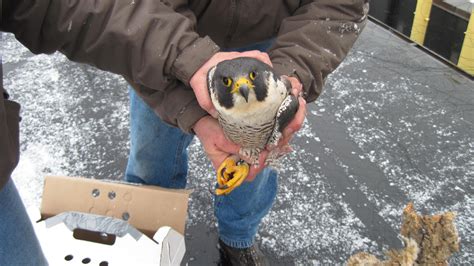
(389, 128)
(66, 111)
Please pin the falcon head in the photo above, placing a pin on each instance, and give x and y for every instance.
(240, 82)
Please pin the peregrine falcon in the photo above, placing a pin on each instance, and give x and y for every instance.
(254, 105)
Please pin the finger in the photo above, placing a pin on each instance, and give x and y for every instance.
(199, 87)
(254, 171)
(218, 159)
(258, 55)
(204, 101)
(283, 148)
(296, 86)
(213, 112)
(285, 140)
(297, 89)
(265, 58)
(298, 120)
(221, 56)
(229, 55)
(228, 146)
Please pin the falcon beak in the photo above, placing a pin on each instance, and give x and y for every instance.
(243, 86)
(244, 91)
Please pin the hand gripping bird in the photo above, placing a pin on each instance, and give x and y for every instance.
(254, 105)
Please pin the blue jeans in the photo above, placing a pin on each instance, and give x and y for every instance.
(18, 242)
(158, 156)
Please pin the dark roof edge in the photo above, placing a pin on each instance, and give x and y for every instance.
(423, 48)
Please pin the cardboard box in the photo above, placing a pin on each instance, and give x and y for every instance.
(87, 221)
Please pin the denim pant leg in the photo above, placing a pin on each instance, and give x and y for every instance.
(239, 213)
(158, 152)
(18, 242)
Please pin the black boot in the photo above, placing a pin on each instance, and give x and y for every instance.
(251, 256)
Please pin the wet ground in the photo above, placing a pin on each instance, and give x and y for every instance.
(393, 125)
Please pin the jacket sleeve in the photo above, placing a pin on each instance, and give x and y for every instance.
(145, 41)
(315, 39)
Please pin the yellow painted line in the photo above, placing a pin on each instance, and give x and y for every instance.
(420, 21)
(466, 58)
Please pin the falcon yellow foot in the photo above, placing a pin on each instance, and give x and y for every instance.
(231, 173)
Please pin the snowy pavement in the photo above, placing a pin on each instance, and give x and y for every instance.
(392, 126)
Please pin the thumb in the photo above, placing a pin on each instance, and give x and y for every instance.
(213, 112)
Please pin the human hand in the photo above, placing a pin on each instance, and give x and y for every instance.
(254, 171)
(198, 81)
(296, 86)
(213, 140)
(218, 147)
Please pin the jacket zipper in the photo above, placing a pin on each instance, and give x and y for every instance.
(234, 5)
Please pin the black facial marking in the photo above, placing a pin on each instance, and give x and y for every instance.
(224, 96)
(239, 67)
(260, 87)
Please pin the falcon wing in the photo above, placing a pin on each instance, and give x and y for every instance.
(285, 114)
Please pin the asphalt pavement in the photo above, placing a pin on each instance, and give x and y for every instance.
(393, 125)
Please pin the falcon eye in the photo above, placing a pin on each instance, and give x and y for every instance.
(227, 81)
(252, 75)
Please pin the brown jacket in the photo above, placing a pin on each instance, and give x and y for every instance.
(158, 45)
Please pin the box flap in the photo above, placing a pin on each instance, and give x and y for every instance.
(145, 207)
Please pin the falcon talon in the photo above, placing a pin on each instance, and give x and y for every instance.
(271, 146)
(240, 162)
(231, 173)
